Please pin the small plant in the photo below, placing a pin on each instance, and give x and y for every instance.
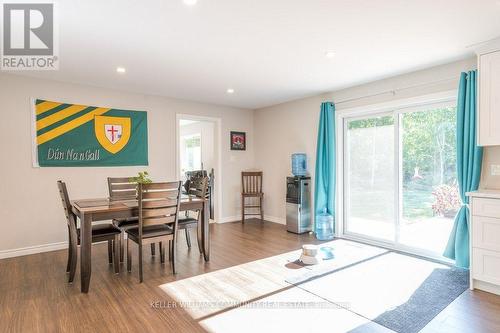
(142, 178)
(446, 200)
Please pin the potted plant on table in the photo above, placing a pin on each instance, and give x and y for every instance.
(142, 178)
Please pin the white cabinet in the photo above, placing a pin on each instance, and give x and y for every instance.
(486, 266)
(485, 240)
(489, 99)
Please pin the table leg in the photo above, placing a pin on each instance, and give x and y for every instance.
(206, 230)
(85, 251)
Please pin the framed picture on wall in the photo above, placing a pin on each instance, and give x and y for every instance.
(238, 140)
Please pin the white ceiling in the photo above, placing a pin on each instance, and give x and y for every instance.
(269, 51)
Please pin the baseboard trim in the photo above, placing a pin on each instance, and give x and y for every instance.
(24, 251)
(275, 219)
(268, 218)
(485, 286)
(229, 219)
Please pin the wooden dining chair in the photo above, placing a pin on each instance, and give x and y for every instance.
(100, 232)
(123, 189)
(198, 187)
(251, 188)
(158, 219)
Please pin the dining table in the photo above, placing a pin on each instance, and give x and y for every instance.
(102, 209)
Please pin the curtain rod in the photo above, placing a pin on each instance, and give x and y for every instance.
(394, 91)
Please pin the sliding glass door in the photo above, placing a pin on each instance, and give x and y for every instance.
(370, 168)
(400, 184)
(428, 178)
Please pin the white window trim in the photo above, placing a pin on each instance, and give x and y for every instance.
(401, 106)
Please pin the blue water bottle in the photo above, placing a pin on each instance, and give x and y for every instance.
(324, 226)
(299, 164)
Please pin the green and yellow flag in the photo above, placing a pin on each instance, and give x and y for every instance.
(80, 135)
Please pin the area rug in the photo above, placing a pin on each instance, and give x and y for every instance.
(399, 292)
(225, 289)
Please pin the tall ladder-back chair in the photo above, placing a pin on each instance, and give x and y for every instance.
(158, 218)
(210, 188)
(198, 187)
(251, 194)
(100, 232)
(123, 189)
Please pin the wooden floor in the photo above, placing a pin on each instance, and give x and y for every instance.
(35, 297)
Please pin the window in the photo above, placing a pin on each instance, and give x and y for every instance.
(400, 183)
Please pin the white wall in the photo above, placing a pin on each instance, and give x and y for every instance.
(491, 156)
(31, 210)
(292, 127)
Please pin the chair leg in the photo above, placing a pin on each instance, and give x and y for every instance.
(110, 251)
(122, 245)
(188, 239)
(116, 252)
(242, 209)
(70, 249)
(129, 256)
(140, 261)
(261, 209)
(74, 257)
(162, 253)
(172, 251)
(153, 250)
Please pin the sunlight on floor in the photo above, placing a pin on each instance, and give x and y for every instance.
(353, 290)
(208, 294)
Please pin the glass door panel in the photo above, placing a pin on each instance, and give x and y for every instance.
(190, 153)
(428, 186)
(370, 186)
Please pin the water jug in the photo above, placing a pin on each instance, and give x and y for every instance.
(324, 226)
(299, 164)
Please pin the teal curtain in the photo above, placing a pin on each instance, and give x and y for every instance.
(324, 186)
(469, 160)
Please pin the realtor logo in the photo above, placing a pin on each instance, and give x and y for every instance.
(29, 41)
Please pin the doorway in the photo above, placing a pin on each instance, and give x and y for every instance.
(399, 177)
(198, 152)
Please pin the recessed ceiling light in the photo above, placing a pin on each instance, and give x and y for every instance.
(230, 91)
(330, 54)
(190, 2)
(120, 70)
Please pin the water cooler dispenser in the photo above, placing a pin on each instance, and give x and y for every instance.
(298, 204)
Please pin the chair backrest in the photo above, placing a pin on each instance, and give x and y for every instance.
(159, 204)
(198, 187)
(196, 174)
(122, 189)
(251, 181)
(70, 217)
